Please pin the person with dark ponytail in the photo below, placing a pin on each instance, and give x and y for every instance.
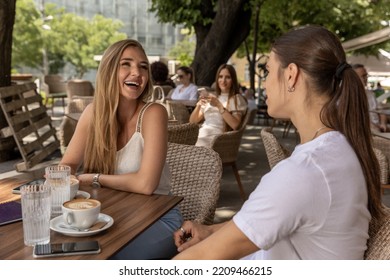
(318, 203)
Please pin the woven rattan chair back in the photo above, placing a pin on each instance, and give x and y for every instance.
(274, 150)
(383, 166)
(196, 175)
(378, 245)
(227, 145)
(383, 145)
(68, 126)
(186, 133)
(76, 88)
(178, 111)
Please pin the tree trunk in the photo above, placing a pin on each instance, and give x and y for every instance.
(217, 42)
(7, 19)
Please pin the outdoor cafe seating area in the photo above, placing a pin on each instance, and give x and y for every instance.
(211, 193)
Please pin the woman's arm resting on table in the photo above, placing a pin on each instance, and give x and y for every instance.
(226, 243)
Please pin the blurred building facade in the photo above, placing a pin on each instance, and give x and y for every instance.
(139, 24)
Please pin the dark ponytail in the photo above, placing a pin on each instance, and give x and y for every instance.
(319, 53)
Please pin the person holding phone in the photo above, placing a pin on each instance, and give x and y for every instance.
(122, 143)
(221, 110)
(317, 203)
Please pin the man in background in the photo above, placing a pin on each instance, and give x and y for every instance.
(378, 121)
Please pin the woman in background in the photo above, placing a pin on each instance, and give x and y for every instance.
(186, 90)
(222, 110)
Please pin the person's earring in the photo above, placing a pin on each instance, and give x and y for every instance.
(290, 89)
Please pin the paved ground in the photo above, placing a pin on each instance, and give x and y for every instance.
(252, 164)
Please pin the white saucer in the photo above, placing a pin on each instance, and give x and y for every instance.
(82, 194)
(55, 222)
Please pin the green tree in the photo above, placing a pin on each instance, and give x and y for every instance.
(71, 38)
(27, 36)
(220, 27)
(184, 51)
(266, 19)
(347, 18)
(87, 39)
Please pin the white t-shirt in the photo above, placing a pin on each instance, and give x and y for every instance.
(187, 93)
(313, 205)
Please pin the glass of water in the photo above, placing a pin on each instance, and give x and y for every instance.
(58, 179)
(36, 208)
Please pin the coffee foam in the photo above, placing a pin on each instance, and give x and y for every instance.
(81, 204)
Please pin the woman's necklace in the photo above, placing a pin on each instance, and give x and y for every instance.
(318, 131)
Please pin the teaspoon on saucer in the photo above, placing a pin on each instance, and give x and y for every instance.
(96, 226)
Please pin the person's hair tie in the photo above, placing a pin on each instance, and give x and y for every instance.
(340, 69)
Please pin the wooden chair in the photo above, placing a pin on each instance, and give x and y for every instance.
(378, 245)
(77, 88)
(186, 133)
(29, 125)
(68, 126)
(227, 146)
(196, 175)
(274, 150)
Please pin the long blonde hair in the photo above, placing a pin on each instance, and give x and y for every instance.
(101, 148)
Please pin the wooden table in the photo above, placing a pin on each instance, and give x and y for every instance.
(132, 214)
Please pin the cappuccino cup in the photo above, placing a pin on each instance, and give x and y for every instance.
(74, 187)
(81, 213)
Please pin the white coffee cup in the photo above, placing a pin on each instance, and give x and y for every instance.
(74, 187)
(81, 213)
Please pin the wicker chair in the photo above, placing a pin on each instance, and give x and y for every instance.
(68, 126)
(378, 245)
(186, 133)
(383, 145)
(227, 146)
(76, 88)
(383, 165)
(274, 150)
(56, 90)
(196, 175)
(178, 111)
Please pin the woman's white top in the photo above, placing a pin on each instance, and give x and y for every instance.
(214, 123)
(186, 93)
(312, 205)
(128, 159)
